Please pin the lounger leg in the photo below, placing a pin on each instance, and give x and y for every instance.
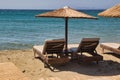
(34, 53)
(46, 65)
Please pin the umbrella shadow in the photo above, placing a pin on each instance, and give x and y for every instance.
(104, 68)
(113, 54)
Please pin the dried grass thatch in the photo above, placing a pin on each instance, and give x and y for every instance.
(66, 12)
(111, 12)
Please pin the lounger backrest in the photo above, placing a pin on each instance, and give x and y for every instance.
(88, 44)
(53, 46)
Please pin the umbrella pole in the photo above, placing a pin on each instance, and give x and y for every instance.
(66, 36)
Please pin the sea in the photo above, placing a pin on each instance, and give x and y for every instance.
(20, 29)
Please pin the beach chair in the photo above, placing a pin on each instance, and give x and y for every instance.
(114, 47)
(87, 45)
(52, 53)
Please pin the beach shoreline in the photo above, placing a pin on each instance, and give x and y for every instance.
(19, 29)
(109, 68)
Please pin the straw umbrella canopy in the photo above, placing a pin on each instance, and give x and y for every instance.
(111, 12)
(66, 12)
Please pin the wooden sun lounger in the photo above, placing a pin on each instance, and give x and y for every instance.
(87, 45)
(114, 47)
(8, 71)
(52, 53)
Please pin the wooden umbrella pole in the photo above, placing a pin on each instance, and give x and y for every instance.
(66, 35)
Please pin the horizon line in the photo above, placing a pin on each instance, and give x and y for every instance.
(43, 9)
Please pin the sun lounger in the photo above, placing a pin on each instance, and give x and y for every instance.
(52, 53)
(87, 45)
(114, 47)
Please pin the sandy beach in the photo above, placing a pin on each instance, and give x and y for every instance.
(108, 69)
(28, 25)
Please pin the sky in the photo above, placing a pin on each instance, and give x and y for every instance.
(54, 4)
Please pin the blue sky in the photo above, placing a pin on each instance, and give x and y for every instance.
(54, 4)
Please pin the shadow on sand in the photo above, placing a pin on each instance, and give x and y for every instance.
(104, 68)
(113, 54)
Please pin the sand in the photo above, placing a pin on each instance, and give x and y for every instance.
(108, 69)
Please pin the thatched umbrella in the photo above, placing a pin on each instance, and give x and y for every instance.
(111, 12)
(66, 13)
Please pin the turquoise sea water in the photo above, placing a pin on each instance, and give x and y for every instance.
(19, 29)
